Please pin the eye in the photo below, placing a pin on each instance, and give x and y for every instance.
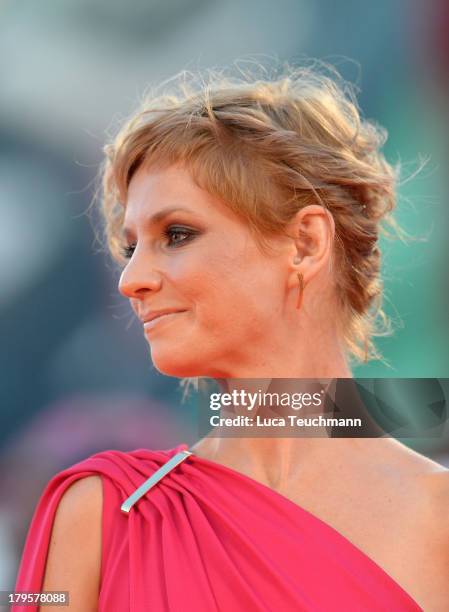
(128, 250)
(177, 235)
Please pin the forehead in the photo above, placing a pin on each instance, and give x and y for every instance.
(154, 193)
(150, 191)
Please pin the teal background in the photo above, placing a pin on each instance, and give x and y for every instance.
(76, 376)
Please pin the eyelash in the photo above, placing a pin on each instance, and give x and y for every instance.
(128, 250)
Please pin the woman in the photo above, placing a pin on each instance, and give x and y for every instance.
(246, 216)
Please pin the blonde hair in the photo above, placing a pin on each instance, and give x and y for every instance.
(268, 147)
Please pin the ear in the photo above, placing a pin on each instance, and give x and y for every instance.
(312, 231)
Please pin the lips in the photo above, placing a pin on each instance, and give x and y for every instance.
(154, 314)
(152, 318)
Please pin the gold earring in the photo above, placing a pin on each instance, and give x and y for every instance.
(301, 290)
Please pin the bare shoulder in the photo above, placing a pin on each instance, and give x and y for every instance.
(74, 554)
(431, 489)
(427, 519)
(434, 485)
(427, 483)
(414, 505)
(428, 475)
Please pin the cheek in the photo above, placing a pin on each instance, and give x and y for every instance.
(199, 277)
(229, 288)
(229, 305)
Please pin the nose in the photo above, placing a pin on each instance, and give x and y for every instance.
(138, 278)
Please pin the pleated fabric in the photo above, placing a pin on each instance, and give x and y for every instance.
(207, 538)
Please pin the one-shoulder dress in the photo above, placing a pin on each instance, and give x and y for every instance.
(181, 533)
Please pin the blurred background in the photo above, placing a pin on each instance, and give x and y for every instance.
(76, 376)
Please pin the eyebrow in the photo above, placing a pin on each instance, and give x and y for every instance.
(156, 218)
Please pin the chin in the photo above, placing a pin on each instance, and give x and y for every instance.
(174, 365)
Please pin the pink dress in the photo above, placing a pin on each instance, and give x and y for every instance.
(207, 538)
